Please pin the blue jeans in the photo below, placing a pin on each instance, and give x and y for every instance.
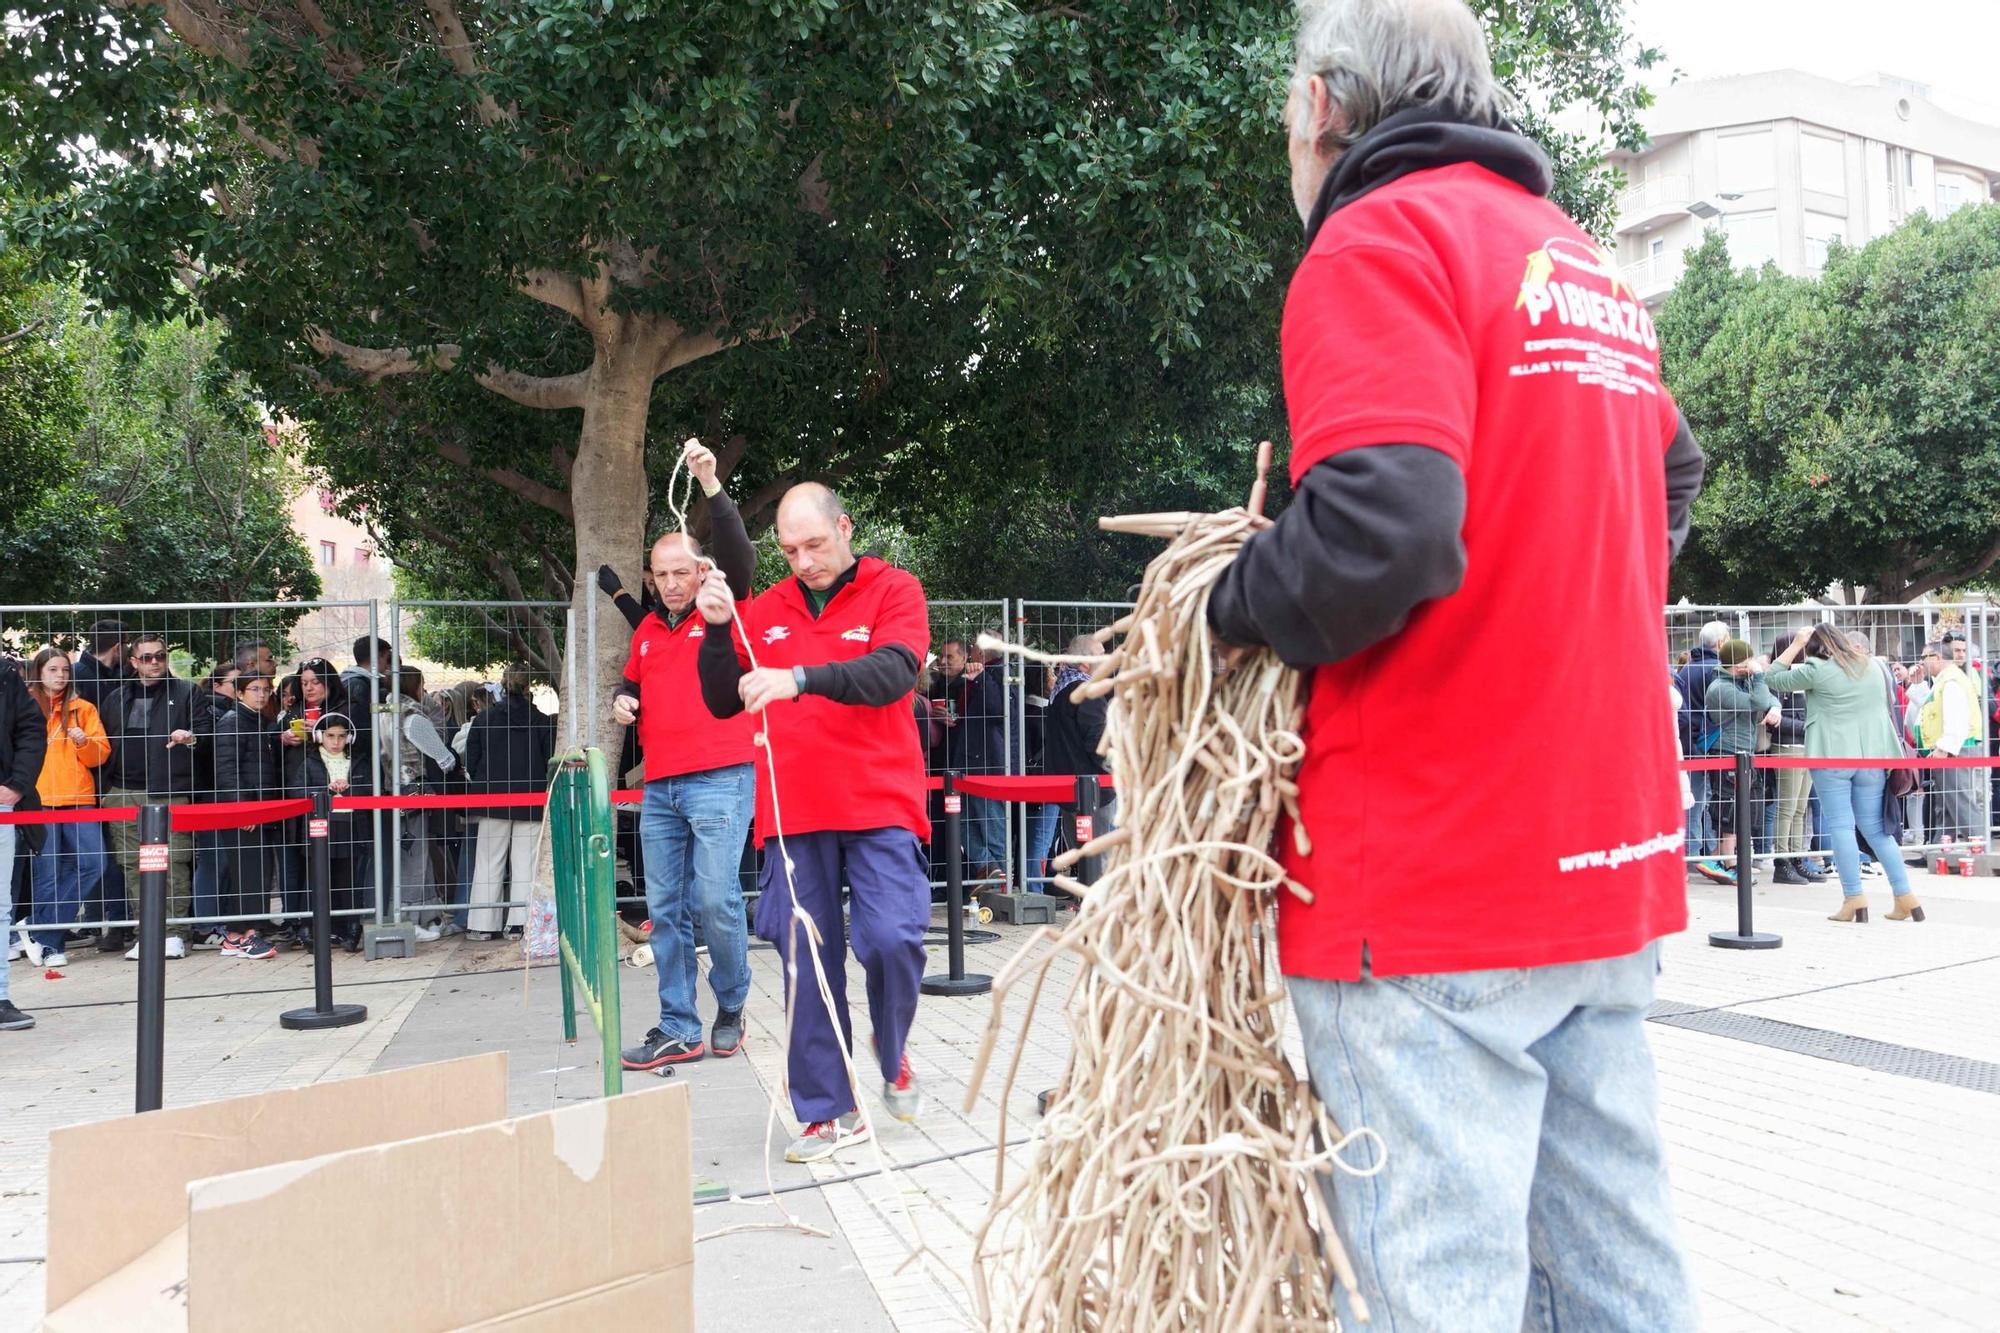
(1525, 1186)
(693, 828)
(6, 893)
(1041, 836)
(985, 833)
(65, 872)
(1700, 827)
(207, 879)
(1851, 798)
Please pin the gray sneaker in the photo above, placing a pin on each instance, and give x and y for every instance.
(902, 1097)
(823, 1138)
(726, 1038)
(12, 1019)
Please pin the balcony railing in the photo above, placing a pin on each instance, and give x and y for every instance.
(1652, 200)
(1654, 275)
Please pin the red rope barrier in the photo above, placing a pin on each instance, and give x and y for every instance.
(200, 817)
(1794, 761)
(1059, 789)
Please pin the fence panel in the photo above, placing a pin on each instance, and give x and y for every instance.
(972, 727)
(1787, 825)
(485, 717)
(153, 698)
(1051, 627)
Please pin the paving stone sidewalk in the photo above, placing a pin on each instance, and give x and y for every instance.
(1818, 1187)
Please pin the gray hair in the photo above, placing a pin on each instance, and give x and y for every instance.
(1379, 57)
(1714, 634)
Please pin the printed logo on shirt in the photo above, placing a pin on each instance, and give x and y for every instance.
(859, 634)
(1547, 288)
(698, 632)
(645, 646)
(1585, 321)
(775, 633)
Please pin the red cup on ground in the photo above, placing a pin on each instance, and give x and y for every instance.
(1943, 866)
(1978, 846)
(1965, 866)
(1948, 841)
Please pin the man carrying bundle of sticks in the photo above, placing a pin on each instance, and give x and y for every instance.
(829, 659)
(1479, 435)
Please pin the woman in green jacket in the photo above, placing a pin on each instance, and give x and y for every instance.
(1848, 703)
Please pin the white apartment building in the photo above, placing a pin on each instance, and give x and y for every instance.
(1784, 162)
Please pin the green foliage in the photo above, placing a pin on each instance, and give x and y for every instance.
(149, 477)
(995, 269)
(1852, 424)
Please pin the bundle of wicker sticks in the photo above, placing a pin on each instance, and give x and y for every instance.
(1177, 1179)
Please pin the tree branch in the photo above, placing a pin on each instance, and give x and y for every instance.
(1950, 578)
(548, 392)
(557, 289)
(535, 492)
(457, 48)
(7, 339)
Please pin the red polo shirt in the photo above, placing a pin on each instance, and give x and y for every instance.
(676, 729)
(840, 766)
(1478, 795)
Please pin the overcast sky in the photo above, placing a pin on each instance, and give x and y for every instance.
(1952, 45)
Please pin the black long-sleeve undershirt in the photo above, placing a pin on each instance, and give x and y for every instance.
(873, 680)
(1372, 534)
(729, 545)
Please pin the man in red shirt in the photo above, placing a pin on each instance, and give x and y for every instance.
(828, 659)
(1479, 438)
(699, 782)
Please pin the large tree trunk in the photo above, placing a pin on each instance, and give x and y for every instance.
(608, 493)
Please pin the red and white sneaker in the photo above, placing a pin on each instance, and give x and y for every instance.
(902, 1097)
(823, 1138)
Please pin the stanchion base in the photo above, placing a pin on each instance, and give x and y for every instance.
(311, 1020)
(972, 983)
(1729, 939)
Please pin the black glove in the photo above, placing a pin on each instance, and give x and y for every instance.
(607, 579)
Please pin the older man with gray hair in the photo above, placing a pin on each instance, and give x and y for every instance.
(1479, 433)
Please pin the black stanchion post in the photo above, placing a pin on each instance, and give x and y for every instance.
(319, 877)
(1089, 796)
(1745, 936)
(955, 981)
(153, 862)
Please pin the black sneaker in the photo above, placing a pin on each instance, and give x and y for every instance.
(12, 1019)
(114, 941)
(656, 1051)
(726, 1037)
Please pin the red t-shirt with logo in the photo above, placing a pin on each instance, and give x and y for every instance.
(1493, 786)
(676, 729)
(840, 766)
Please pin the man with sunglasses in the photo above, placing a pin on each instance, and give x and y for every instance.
(155, 721)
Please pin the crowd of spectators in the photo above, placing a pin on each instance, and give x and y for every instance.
(118, 728)
(1939, 703)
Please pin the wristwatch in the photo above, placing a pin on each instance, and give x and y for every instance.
(799, 678)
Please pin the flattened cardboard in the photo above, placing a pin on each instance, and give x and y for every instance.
(519, 1225)
(117, 1188)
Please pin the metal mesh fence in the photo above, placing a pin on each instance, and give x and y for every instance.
(188, 704)
(477, 708)
(967, 721)
(1723, 710)
(1051, 627)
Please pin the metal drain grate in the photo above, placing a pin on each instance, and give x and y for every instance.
(1881, 1056)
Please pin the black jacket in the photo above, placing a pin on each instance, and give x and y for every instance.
(95, 681)
(24, 738)
(350, 828)
(139, 716)
(248, 766)
(508, 750)
(976, 743)
(1072, 732)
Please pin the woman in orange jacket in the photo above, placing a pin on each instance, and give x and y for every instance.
(71, 861)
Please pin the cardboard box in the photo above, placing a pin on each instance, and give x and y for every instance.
(401, 1201)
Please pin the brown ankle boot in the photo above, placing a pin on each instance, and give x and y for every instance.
(1852, 909)
(1907, 908)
